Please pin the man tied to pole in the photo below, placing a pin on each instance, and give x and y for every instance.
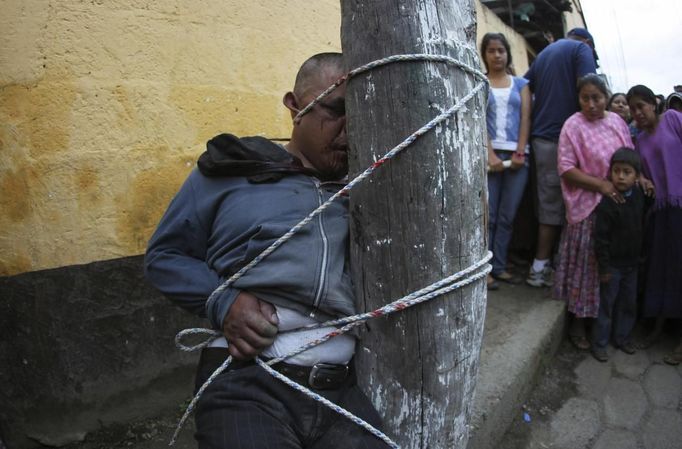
(244, 195)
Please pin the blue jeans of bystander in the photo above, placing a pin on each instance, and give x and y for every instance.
(505, 190)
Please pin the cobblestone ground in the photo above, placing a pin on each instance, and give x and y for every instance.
(630, 402)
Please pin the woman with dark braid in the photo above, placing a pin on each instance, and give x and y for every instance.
(659, 144)
(588, 140)
(508, 123)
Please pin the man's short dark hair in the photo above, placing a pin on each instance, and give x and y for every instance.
(626, 155)
(312, 67)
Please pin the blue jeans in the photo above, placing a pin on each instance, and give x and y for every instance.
(617, 308)
(505, 190)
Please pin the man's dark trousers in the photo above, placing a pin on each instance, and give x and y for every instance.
(247, 408)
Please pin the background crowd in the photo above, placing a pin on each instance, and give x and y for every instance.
(606, 172)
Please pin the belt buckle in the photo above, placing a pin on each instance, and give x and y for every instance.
(326, 375)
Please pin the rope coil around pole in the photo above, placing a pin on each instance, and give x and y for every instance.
(438, 288)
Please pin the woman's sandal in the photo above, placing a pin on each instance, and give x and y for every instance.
(580, 342)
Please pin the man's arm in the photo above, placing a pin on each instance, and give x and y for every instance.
(530, 76)
(519, 156)
(584, 61)
(175, 262)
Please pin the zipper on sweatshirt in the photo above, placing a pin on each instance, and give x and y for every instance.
(325, 253)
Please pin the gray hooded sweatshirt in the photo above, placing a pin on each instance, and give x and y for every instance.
(246, 194)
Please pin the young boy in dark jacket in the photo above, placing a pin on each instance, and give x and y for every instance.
(618, 241)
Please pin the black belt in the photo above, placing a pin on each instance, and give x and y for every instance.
(321, 376)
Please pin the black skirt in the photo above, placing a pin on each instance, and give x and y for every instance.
(663, 291)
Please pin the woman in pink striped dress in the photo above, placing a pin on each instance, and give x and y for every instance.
(587, 141)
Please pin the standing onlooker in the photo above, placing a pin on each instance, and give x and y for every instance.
(588, 140)
(660, 146)
(660, 104)
(508, 122)
(619, 104)
(674, 101)
(617, 244)
(552, 78)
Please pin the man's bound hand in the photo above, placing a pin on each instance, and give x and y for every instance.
(250, 326)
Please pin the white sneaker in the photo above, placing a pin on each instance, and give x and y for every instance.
(540, 278)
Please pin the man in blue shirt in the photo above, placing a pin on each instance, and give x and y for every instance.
(552, 80)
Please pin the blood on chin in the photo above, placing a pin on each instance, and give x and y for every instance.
(335, 166)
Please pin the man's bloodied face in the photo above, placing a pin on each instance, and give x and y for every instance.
(320, 134)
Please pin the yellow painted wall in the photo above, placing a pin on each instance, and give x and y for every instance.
(488, 22)
(105, 106)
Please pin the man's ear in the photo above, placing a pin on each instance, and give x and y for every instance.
(290, 102)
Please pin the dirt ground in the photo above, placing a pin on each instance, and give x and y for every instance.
(148, 434)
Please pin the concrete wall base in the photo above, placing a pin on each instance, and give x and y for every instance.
(523, 329)
(85, 346)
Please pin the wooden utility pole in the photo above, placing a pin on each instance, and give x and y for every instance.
(420, 217)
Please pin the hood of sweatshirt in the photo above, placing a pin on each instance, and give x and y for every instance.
(256, 158)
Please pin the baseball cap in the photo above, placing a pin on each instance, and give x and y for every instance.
(581, 32)
(675, 97)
